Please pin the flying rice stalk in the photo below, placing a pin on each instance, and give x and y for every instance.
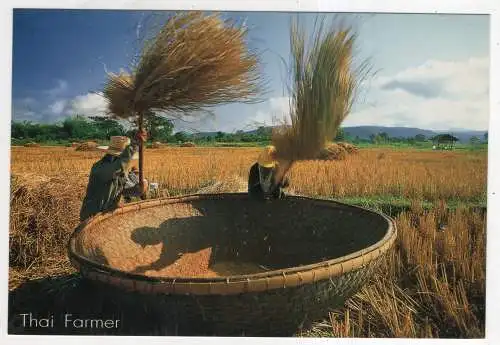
(194, 62)
(323, 89)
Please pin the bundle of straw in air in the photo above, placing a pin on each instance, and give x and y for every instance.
(194, 61)
(323, 88)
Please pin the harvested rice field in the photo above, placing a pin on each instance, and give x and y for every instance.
(431, 285)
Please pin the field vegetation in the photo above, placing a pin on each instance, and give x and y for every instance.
(431, 285)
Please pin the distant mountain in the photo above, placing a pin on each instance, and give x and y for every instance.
(364, 132)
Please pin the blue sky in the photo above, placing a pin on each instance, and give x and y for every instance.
(433, 70)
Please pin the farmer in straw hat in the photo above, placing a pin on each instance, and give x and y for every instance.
(109, 177)
(261, 180)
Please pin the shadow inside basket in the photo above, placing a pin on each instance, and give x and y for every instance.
(227, 237)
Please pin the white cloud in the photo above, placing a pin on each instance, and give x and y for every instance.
(436, 95)
(58, 107)
(60, 88)
(276, 111)
(88, 105)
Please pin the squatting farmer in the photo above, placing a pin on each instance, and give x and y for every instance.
(110, 177)
(261, 180)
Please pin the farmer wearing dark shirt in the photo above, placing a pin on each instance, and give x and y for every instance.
(261, 180)
(109, 180)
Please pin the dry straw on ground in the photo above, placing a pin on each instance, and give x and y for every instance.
(432, 286)
(43, 212)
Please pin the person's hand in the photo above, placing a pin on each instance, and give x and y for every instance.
(285, 183)
(142, 135)
(145, 186)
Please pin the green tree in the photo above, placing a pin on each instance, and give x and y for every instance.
(79, 127)
(340, 136)
(106, 127)
(158, 127)
(383, 137)
(420, 138)
(181, 136)
(474, 140)
(219, 136)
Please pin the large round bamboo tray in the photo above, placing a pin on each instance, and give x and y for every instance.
(295, 259)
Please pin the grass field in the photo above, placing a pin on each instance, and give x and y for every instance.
(432, 285)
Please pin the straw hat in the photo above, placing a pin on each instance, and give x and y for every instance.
(266, 157)
(118, 144)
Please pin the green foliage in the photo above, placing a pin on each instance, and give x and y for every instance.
(159, 128)
(474, 140)
(79, 128)
(181, 137)
(341, 135)
(420, 138)
(71, 129)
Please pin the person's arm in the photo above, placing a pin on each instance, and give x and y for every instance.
(110, 170)
(253, 178)
(132, 186)
(126, 156)
(119, 165)
(279, 184)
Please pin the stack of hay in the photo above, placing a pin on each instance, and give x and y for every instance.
(337, 151)
(350, 148)
(188, 144)
(156, 145)
(87, 146)
(333, 151)
(324, 83)
(44, 210)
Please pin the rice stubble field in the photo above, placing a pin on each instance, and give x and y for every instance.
(431, 285)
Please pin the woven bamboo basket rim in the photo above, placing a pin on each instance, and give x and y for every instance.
(280, 278)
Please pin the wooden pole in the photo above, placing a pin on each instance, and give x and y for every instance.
(141, 157)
